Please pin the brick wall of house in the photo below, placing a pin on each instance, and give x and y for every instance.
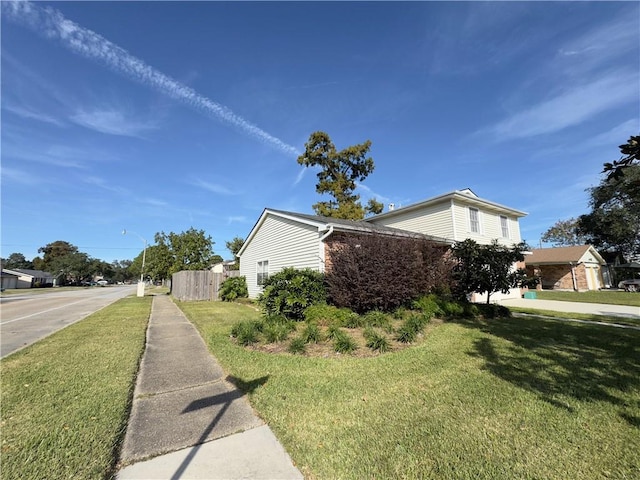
(559, 277)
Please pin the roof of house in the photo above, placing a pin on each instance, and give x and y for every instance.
(561, 255)
(328, 224)
(25, 271)
(466, 195)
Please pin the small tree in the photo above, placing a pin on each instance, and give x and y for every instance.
(564, 233)
(487, 268)
(339, 171)
(234, 247)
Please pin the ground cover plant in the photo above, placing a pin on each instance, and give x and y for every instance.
(602, 296)
(66, 399)
(329, 331)
(484, 399)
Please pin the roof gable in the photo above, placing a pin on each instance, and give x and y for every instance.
(328, 224)
(466, 196)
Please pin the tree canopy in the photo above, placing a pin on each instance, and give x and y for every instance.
(613, 224)
(16, 260)
(173, 252)
(564, 233)
(339, 172)
(487, 268)
(630, 152)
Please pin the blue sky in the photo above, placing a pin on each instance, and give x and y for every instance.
(162, 116)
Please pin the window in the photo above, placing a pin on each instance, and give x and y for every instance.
(504, 225)
(474, 220)
(263, 271)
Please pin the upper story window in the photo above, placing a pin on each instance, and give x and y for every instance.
(504, 225)
(474, 220)
(263, 271)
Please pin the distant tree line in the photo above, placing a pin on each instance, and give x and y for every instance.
(171, 253)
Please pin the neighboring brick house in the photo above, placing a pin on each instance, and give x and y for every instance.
(576, 268)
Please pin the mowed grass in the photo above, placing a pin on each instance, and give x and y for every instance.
(601, 296)
(509, 398)
(66, 399)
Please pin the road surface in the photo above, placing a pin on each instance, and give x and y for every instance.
(27, 318)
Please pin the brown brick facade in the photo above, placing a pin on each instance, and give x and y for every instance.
(561, 277)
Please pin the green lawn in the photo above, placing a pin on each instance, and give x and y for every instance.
(602, 296)
(510, 398)
(66, 399)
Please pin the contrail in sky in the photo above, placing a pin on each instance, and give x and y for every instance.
(52, 24)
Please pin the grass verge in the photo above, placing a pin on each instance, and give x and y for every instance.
(66, 399)
(508, 398)
(602, 296)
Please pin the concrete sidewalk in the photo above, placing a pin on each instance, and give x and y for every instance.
(187, 419)
(574, 307)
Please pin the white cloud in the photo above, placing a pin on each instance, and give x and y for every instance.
(52, 24)
(236, 219)
(29, 114)
(371, 194)
(571, 107)
(111, 122)
(18, 176)
(214, 187)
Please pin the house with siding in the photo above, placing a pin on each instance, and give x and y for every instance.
(457, 215)
(30, 278)
(282, 239)
(577, 268)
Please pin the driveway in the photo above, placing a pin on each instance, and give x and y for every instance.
(27, 318)
(574, 307)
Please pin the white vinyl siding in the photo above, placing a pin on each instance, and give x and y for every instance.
(490, 226)
(284, 243)
(433, 220)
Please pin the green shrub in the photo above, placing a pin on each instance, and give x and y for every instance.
(451, 308)
(323, 314)
(333, 330)
(311, 333)
(376, 318)
(276, 332)
(406, 333)
(471, 310)
(291, 291)
(246, 333)
(376, 341)
(297, 346)
(428, 305)
(417, 322)
(399, 313)
(233, 288)
(493, 310)
(343, 343)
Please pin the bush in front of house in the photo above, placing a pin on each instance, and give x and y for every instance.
(375, 272)
(291, 291)
(233, 288)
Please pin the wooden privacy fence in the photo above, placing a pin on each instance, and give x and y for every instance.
(189, 285)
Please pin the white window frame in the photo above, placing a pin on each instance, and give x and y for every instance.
(504, 226)
(477, 223)
(262, 271)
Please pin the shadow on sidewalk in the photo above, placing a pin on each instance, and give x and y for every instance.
(242, 388)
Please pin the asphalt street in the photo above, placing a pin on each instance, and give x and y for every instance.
(27, 318)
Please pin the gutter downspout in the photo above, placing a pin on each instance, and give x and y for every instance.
(329, 232)
(323, 248)
(573, 276)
